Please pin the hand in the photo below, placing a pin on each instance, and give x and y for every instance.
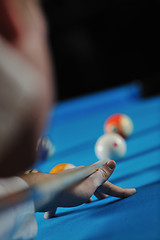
(81, 192)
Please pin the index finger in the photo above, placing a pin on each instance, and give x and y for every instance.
(116, 191)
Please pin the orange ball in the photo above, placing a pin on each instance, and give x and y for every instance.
(62, 166)
(119, 123)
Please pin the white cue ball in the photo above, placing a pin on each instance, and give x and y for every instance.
(111, 146)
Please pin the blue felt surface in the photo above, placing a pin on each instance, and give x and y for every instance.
(137, 217)
(83, 128)
(75, 106)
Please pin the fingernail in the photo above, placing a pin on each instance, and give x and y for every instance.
(111, 164)
(46, 215)
(130, 192)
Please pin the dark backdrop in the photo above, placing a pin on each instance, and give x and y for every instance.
(102, 44)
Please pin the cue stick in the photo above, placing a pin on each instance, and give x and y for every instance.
(49, 189)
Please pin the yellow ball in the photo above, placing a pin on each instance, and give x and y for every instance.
(62, 166)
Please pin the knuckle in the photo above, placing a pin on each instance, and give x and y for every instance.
(123, 193)
(105, 174)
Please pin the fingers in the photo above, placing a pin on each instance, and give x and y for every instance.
(103, 173)
(50, 214)
(100, 195)
(113, 190)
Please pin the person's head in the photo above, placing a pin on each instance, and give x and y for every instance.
(25, 81)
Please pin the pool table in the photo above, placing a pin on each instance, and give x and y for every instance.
(74, 126)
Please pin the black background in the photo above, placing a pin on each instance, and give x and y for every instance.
(102, 44)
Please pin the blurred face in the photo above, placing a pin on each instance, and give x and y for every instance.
(23, 29)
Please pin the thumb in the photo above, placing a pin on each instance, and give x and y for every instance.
(103, 173)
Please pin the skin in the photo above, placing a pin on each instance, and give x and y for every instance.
(25, 21)
(82, 191)
(27, 28)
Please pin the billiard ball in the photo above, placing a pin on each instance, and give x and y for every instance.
(111, 146)
(119, 123)
(62, 166)
(45, 148)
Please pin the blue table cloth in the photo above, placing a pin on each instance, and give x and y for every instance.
(74, 127)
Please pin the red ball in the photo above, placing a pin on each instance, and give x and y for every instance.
(119, 123)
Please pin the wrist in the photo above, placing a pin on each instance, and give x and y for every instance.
(35, 177)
